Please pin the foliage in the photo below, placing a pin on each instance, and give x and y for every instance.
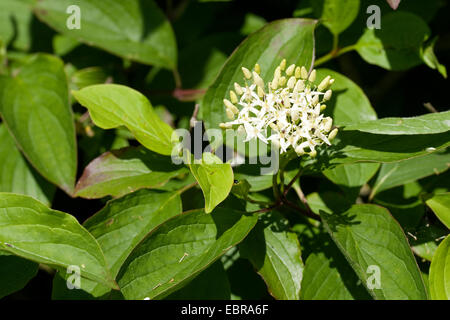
(106, 167)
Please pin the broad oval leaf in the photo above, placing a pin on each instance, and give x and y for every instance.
(118, 172)
(180, 249)
(394, 46)
(16, 176)
(32, 231)
(328, 276)
(440, 204)
(398, 173)
(348, 104)
(112, 106)
(336, 15)
(291, 39)
(132, 29)
(355, 146)
(439, 272)
(120, 226)
(426, 124)
(275, 254)
(215, 179)
(374, 244)
(35, 107)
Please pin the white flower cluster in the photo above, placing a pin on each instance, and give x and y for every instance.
(286, 112)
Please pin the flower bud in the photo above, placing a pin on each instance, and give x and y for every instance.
(299, 86)
(283, 64)
(238, 89)
(291, 82)
(328, 123)
(313, 153)
(303, 73)
(282, 81)
(327, 95)
(324, 84)
(333, 134)
(233, 97)
(257, 69)
(312, 76)
(290, 70)
(274, 83)
(260, 92)
(225, 125)
(230, 114)
(315, 100)
(258, 80)
(297, 72)
(230, 106)
(277, 72)
(323, 107)
(247, 73)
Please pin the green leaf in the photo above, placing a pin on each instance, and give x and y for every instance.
(336, 15)
(88, 76)
(356, 146)
(396, 174)
(15, 23)
(211, 284)
(404, 203)
(426, 240)
(31, 230)
(112, 106)
(123, 171)
(120, 226)
(352, 175)
(430, 59)
(275, 254)
(252, 174)
(440, 204)
(215, 179)
(252, 23)
(16, 176)
(439, 271)
(368, 236)
(292, 39)
(134, 29)
(394, 46)
(180, 249)
(328, 276)
(15, 273)
(35, 108)
(426, 124)
(241, 189)
(348, 104)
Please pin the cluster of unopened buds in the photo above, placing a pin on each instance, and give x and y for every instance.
(286, 111)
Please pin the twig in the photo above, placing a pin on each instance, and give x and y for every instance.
(336, 52)
(307, 212)
(291, 183)
(194, 116)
